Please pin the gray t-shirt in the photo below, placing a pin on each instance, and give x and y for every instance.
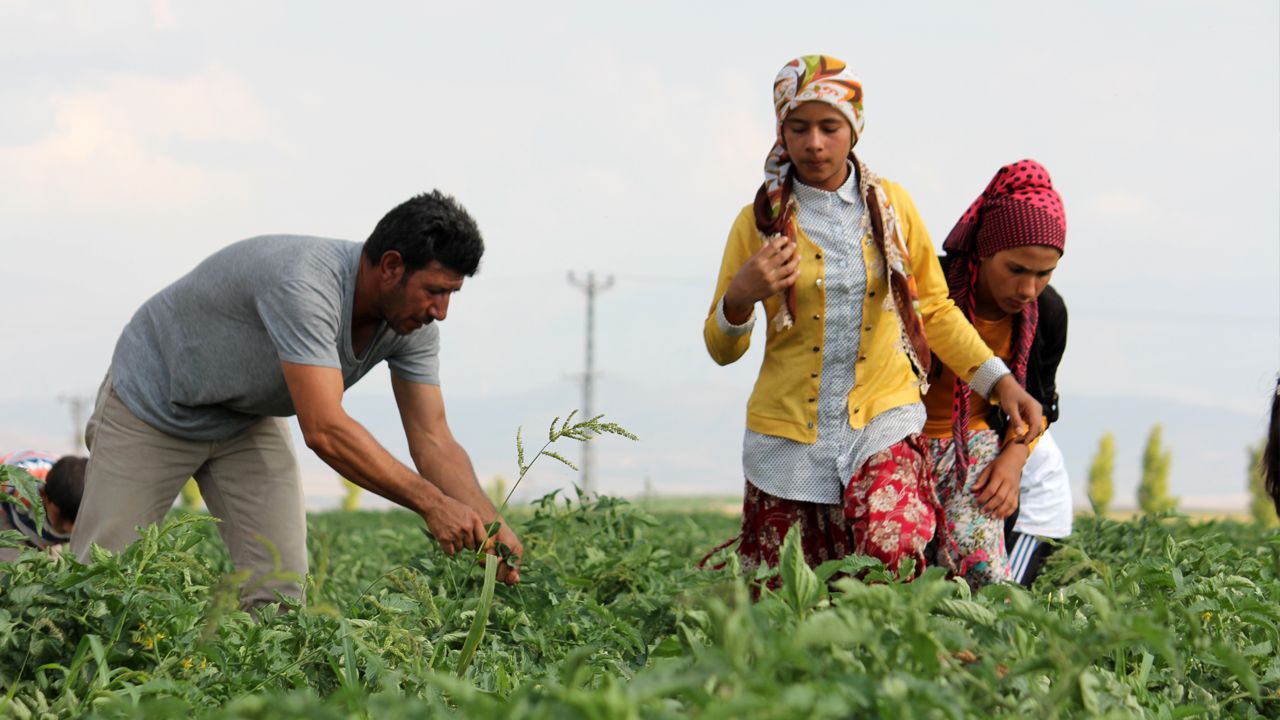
(201, 359)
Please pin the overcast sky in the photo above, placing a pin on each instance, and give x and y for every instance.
(137, 138)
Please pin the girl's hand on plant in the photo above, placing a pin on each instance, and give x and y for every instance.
(454, 525)
(772, 269)
(999, 484)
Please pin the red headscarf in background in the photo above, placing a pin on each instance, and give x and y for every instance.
(1019, 207)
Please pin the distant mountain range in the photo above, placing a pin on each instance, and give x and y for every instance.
(691, 436)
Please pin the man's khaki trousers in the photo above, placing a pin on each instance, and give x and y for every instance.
(250, 482)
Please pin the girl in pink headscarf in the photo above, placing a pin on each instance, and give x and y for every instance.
(1000, 256)
(855, 301)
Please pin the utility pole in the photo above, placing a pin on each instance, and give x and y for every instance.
(591, 288)
(77, 404)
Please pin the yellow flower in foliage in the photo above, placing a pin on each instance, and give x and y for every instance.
(186, 663)
(1206, 617)
(150, 642)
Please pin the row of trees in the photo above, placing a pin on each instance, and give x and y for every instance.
(1153, 488)
(190, 497)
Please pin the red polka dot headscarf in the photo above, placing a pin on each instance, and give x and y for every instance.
(1018, 208)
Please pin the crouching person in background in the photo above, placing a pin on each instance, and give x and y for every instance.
(1000, 257)
(60, 484)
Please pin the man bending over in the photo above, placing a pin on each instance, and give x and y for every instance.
(208, 368)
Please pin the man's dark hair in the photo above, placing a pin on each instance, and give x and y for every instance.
(431, 226)
(64, 485)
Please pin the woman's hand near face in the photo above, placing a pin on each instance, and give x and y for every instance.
(772, 269)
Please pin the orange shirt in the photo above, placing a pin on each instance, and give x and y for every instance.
(998, 335)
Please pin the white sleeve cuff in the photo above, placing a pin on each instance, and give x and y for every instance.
(729, 328)
(988, 374)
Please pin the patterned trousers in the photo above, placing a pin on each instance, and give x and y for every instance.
(977, 544)
(889, 513)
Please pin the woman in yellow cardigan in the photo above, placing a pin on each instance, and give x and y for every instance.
(852, 288)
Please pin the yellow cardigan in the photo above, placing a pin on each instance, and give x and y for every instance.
(784, 402)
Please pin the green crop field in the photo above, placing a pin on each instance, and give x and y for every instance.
(1160, 619)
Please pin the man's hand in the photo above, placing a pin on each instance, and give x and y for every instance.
(999, 484)
(772, 269)
(454, 525)
(1026, 417)
(508, 573)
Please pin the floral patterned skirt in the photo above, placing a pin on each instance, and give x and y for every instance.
(977, 545)
(889, 513)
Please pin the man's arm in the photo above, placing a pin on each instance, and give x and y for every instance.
(444, 462)
(348, 448)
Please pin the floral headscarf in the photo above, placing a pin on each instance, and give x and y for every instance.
(806, 79)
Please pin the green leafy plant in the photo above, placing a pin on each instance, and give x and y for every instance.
(581, 431)
(26, 495)
(1156, 617)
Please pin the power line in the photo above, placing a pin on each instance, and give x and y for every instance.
(591, 288)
